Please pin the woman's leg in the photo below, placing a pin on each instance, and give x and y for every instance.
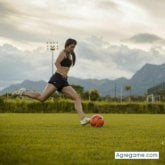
(47, 92)
(70, 92)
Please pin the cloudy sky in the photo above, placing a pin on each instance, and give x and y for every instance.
(115, 37)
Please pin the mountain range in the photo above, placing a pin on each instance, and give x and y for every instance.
(148, 76)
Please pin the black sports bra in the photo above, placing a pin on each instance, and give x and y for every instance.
(66, 62)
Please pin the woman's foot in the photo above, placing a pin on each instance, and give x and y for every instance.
(85, 121)
(19, 92)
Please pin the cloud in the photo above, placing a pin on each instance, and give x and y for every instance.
(12, 63)
(96, 58)
(17, 65)
(145, 38)
(12, 18)
(33, 22)
(6, 10)
(18, 24)
(107, 5)
(153, 8)
(12, 32)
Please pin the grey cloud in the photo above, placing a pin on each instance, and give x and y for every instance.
(122, 56)
(145, 38)
(86, 52)
(133, 59)
(12, 32)
(94, 56)
(6, 9)
(9, 29)
(155, 8)
(12, 64)
(16, 65)
(108, 7)
(93, 48)
(45, 21)
(128, 59)
(33, 12)
(107, 4)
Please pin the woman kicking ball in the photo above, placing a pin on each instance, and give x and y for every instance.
(58, 81)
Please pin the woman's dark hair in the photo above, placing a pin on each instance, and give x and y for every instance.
(69, 42)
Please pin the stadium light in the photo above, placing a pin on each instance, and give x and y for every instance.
(52, 46)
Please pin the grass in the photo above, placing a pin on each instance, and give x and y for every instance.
(50, 139)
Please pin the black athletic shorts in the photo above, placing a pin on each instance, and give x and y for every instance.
(58, 81)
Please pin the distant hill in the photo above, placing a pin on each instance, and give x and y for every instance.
(31, 85)
(148, 76)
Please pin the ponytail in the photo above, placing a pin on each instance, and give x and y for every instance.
(73, 58)
(69, 42)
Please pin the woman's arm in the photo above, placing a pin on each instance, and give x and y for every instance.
(61, 56)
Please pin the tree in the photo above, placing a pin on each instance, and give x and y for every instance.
(86, 95)
(94, 95)
(128, 88)
(79, 89)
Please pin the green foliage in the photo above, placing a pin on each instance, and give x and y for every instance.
(2, 104)
(94, 95)
(86, 95)
(128, 88)
(79, 89)
(65, 105)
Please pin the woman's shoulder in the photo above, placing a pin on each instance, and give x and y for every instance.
(63, 53)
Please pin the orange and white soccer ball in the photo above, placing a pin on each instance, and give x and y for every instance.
(97, 121)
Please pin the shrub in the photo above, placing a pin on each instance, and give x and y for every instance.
(64, 105)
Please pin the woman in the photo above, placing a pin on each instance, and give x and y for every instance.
(59, 82)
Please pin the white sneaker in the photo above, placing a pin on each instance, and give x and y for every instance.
(19, 92)
(85, 121)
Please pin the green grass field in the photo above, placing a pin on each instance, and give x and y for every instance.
(59, 139)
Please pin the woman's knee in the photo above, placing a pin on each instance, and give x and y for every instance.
(77, 97)
(41, 99)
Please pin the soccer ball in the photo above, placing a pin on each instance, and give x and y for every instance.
(97, 121)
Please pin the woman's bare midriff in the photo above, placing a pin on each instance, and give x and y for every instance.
(63, 71)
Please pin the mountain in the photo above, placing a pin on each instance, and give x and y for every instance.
(148, 76)
(31, 85)
(104, 86)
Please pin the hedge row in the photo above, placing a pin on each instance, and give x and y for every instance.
(23, 106)
(138, 108)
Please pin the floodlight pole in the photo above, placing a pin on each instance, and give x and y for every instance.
(121, 94)
(52, 46)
